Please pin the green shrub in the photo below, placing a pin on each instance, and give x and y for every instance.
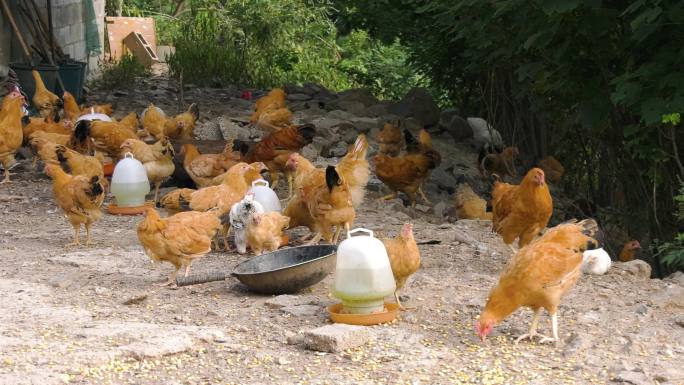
(257, 43)
(120, 74)
(672, 253)
(383, 68)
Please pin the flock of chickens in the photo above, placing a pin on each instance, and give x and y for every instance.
(546, 265)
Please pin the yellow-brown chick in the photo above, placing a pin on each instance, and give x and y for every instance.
(11, 135)
(175, 201)
(47, 103)
(182, 126)
(355, 170)
(330, 204)
(469, 205)
(404, 257)
(265, 231)
(179, 239)
(157, 159)
(390, 140)
(79, 197)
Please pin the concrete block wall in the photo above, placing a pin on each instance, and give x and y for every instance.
(68, 18)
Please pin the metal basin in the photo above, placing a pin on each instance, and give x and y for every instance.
(287, 270)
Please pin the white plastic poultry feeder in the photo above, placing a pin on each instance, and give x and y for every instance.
(94, 116)
(265, 195)
(129, 183)
(363, 276)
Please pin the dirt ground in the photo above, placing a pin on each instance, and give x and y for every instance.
(96, 315)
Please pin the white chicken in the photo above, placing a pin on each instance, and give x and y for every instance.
(596, 262)
(240, 215)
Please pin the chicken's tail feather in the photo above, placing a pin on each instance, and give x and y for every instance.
(307, 131)
(183, 204)
(82, 130)
(194, 110)
(412, 145)
(332, 178)
(240, 145)
(589, 227)
(434, 159)
(95, 186)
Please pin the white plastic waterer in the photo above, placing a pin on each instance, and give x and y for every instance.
(93, 116)
(265, 195)
(363, 276)
(129, 182)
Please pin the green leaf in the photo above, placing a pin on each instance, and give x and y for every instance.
(559, 6)
(652, 110)
(645, 17)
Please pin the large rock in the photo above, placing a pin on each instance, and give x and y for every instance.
(446, 116)
(231, 130)
(419, 104)
(355, 108)
(302, 310)
(459, 128)
(483, 132)
(444, 180)
(340, 115)
(359, 95)
(671, 297)
(298, 97)
(676, 277)
(209, 130)
(326, 123)
(379, 109)
(412, 124)
(319, 92)
(335, 150)
(155, 347)
(336, 337)
(347, 132)
(364, 125)
(637, 267)
(287, 300)
(310, 151)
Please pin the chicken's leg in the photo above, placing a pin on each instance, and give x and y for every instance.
(172, 278)
(156, 191)
(554, 327)
(275, 178)
(401, 307)
(338, 231)
(77, 230)
(7, 176)
(187, 270)
(513, 249)
(533, 329)
(225, 232)
(389, 196)
(290, 184)
(315, 239)
(87, 228)
(422, 195)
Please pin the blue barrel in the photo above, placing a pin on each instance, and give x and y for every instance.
(47, 72)
(73, 77)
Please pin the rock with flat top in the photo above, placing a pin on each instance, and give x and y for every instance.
(336, 338)
(637, 267)
(676, 277)
(302, 310)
